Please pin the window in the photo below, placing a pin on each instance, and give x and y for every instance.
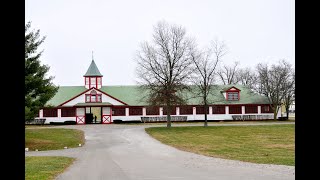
(251, 109)
(266, 109)
(233, 96)
(118, 111)
(135, 111)
(235, 110)
(93, 97)
(87, 97)
(186, 110)
(99, 80)
(218, 109)
(99, 98)
(152, 110)
(87, 80)
(93, 81)
(68, 112)
(200, 110)
(172, 111)
(50, 113)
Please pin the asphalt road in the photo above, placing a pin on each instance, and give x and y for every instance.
(126, 152)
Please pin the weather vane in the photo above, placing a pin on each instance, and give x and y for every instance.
(92, 55)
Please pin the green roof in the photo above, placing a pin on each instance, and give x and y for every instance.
(132, 95)
(93, 70)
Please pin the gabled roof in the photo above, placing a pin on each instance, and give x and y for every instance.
(93, 70)
(228, 87)
(133, 96)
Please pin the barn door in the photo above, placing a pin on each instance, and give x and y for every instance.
(106, 115)
(80, 115)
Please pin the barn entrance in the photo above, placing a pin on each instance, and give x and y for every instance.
(93, 115)
(96, 113)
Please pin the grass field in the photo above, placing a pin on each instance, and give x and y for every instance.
(270, 144)
(45, 168)
(51, 139)
(209, 122)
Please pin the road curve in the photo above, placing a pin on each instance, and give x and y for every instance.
(126, 152)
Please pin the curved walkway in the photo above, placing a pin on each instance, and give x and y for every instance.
(126, 152)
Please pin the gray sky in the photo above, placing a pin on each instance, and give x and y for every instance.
(254, 31)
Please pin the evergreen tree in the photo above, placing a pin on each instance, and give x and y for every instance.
(38, 88)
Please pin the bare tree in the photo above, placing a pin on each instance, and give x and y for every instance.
(289, 96)
(228, 75)
(165, 65)
(247, 77)
(273, 83)
(206, 65)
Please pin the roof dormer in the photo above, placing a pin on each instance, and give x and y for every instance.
(231, 94)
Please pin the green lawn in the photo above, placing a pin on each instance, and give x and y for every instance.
(209, 122)
(52, 138)
(269, 144)
(46, 168)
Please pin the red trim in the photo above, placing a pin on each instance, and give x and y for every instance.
(81, 118)
(106, 119)
(74, 97)
(111, 97)
(233, 90)
(90, 99)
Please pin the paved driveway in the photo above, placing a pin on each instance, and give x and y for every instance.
(126, 152)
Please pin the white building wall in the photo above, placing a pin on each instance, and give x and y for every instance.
(243, 110)
(41, 113)
(178, 110)
(59, 113)
(106, 111)
(127, 111)
(144, 111)
(227, 109)
(224, 95)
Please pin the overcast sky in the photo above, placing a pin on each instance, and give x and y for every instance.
(254, 31)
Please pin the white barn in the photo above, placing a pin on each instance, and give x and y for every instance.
(108, 104)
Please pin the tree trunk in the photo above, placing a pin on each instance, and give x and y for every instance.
(168, 116)
(205, 115)
(275, 112)
(287, 111)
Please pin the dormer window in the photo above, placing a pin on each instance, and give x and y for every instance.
(233, 96)
(93, 97)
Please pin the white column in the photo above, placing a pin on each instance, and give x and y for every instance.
(127, 111)
(210, 109)
(144, 111)
(259, 109)
(59, 113)
(41, 113)
(177, 110)
(243, 110)
(194, 111)
(227, 109)
(161, 111)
